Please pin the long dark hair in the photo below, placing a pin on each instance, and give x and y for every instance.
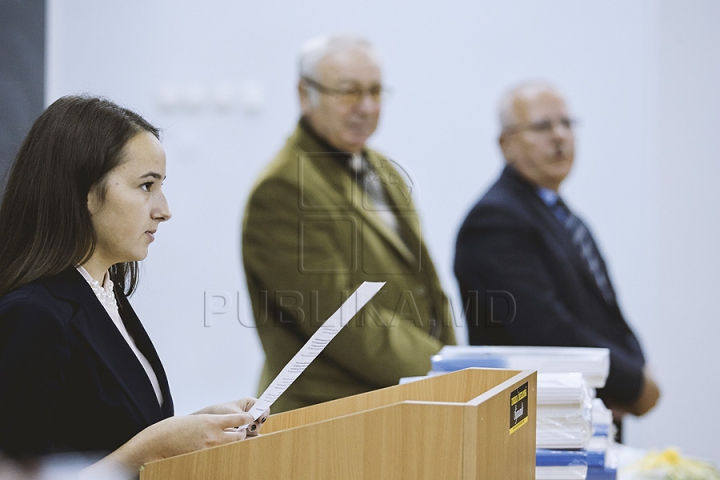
(45, 224)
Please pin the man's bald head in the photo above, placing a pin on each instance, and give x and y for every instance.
(518, 97)
(537, 137)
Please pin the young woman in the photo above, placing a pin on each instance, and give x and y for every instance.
(78, 372)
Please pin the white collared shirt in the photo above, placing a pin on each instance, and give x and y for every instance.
(106, 296)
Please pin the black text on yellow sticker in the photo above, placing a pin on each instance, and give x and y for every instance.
(518, 407)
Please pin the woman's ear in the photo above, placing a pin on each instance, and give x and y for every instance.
(93, 200)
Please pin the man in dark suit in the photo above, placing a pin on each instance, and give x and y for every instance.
(529, 270)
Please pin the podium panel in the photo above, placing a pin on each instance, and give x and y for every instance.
(470, 424)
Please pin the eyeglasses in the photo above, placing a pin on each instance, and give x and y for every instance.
(543, 126)
(351, 95)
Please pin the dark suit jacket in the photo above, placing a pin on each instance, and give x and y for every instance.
(512, 242)
(68, 379)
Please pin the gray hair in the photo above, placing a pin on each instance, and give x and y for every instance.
(317, 48)
(524, 90)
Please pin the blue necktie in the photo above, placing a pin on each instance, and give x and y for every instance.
(585, 245)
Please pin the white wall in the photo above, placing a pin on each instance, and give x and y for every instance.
(681, 330)
(632, 72)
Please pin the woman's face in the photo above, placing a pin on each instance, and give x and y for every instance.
(126, 220)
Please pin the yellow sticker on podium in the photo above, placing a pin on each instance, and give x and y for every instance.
(518, 407)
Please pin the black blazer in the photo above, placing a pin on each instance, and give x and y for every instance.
(511, 242)
(68, 379)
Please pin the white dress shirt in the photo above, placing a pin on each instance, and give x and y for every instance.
(106, 296)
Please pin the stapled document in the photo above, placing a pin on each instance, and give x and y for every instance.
(315, 345)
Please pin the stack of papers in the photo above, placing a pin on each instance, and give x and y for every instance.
(602, 461)
(564, 411)
(597, 456)
(574, 430)
(592, 363)
(565, 378)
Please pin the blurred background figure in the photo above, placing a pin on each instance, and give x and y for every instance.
(327, 214)
(528, 268)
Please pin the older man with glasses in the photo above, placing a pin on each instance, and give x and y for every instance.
(529, 269)
(327, 214)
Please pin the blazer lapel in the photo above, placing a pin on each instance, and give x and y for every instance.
(399, 200)
(544, 215)
(373, 220)
(95, 326)
(353, 193)
(317, 160)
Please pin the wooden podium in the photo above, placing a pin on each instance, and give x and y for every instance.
(471, 424)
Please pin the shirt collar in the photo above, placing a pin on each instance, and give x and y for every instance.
(353, 162)
(305, 125)
(550, 197)
(104, 293)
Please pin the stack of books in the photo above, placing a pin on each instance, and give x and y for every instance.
(574, 429)
(602, 458)
(561, 465)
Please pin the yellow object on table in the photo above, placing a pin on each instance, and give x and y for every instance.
(670, 465)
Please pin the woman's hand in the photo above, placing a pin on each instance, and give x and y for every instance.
(178, 435)
(173, 436)
(238, 406)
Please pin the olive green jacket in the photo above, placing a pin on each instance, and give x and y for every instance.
(310, 238)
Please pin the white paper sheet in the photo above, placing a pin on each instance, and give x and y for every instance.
(315, 345)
